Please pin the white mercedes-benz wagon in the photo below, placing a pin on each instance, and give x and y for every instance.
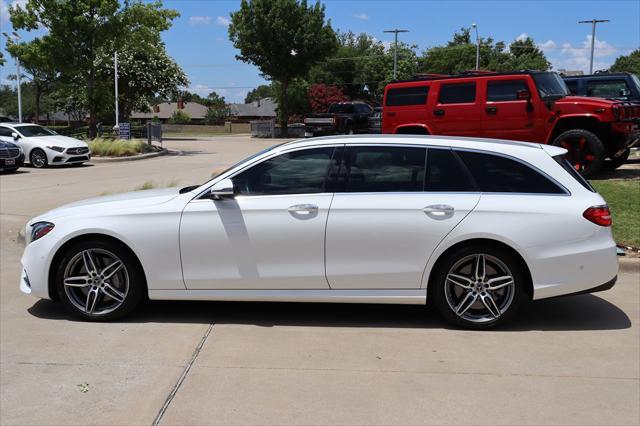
(476, 227)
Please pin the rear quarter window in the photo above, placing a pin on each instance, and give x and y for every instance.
(495, 173)
(402, 96)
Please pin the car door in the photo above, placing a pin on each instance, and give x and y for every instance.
(270, 235)
(5, 134)
(456, 111)
(504, 116)
(387, 219)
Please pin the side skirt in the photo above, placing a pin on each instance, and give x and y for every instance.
(401, 297)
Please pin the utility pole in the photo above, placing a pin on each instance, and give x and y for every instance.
(395, 50)
(16, 38)
(593, 22)
(474, 25)
(115, 64)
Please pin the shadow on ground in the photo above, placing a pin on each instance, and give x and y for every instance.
(584, 312)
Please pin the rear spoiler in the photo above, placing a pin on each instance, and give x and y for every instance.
(553, 150)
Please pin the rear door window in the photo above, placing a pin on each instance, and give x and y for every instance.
(446, 173)
(505, 90)
(457, 93)
(403, 96)
(385, 169)
(494, 173)
(614, 88)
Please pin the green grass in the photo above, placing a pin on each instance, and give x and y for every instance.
(623, 197)
(118, 148)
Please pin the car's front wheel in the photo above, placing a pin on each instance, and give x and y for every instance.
(99, 280)
(479, 287)
(38, 158)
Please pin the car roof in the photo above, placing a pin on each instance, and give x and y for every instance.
(496, 145)
(604, 75)
(466, 75)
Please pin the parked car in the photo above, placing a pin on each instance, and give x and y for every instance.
(43, 147)
(341, 118)
(621, 86)
(375, 121)
(5, 119)
(523, 106)
(11, 157)
(476, 227)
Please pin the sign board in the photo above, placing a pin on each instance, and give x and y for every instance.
(124, 131)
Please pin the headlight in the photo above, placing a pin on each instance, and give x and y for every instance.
(40, 229)
(56, 148)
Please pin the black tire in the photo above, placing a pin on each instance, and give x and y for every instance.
(507, 299)
(585, 150)
(71, 296)
(38, 158)
(615, 162)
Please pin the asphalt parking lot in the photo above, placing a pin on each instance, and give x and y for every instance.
(573, 360)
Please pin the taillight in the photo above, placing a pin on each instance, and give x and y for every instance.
(600, 215)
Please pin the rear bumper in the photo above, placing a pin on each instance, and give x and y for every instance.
(602, 287)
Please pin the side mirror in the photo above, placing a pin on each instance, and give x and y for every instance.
(222, 189)
(523, 95)
(15, 136)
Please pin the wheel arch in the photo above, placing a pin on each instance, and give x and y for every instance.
(486, 242)
(585, 122)
(84, 237)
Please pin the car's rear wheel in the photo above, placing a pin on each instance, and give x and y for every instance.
(585, 150)
(99, 280)
(38, 158)
(479, 287)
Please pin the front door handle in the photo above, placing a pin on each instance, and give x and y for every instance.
(438, 112)
(303, 209)
(439, 210)
(491, 110)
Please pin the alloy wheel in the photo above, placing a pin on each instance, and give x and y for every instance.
(38, 158)
(578, 152)
(479, 288)
(96, 281)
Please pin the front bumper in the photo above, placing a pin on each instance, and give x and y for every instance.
(12, 163)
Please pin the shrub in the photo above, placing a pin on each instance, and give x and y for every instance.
(118, 148)
(216, 114)
(179, 117)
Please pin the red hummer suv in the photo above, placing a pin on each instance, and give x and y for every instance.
(528, 106)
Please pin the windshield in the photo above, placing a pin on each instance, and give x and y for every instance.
(34, 130)
(550, 84)
(341, 109)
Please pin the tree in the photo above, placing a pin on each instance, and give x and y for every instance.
(629, 63)
(284, 39)
(322, 95)
(216, 114)
(2, 60)
(260, 92)
(78, 33)
(459, 55)
(179, 117)
(215, 101)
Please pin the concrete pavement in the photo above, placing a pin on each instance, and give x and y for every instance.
(570, 360)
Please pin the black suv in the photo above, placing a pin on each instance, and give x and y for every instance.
(11, 157)
(621, 86)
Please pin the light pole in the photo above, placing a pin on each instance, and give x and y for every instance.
(115, 64)
(395, 50)
(475, 26)
(593, 22)
(16, 38)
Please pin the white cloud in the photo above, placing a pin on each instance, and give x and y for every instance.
(572, 57)
(522, 37)
(361, 16)
(222, 21)
(547, 45)
(199, 20)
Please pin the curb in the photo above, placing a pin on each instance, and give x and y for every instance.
(164, 151)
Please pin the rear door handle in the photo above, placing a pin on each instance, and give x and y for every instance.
(438, 112)
(439, 210)
(303, 209)
(491, 109)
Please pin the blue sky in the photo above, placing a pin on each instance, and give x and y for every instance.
(199, 43)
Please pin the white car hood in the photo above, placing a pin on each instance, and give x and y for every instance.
(57, 140)
(125, 201)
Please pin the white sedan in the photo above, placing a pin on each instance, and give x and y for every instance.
(43, 147)
(476, 227)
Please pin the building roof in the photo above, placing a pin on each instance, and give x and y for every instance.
(263, 108)
(195, 110)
